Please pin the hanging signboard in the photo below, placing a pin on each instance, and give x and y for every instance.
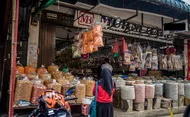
(86, 20)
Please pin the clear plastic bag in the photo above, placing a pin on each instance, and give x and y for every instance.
(42, 70)
(57, 75)
(98, 41)
(37, 90)
(23, 90)
(80, 92)
(89, 87)
(53, 68)
(56, 86)
(127, 58)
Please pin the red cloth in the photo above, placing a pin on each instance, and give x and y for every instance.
(103, 96)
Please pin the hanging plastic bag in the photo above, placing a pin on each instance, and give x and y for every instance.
(89, 36)
(127, 58)
(115, 47)
(84, 38)
(76, 52)
(123, 46)
(98, 41)
(97, 30)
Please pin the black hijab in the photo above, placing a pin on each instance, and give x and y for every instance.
(106, 81)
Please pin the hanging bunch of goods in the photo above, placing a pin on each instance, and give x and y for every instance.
(92, 39)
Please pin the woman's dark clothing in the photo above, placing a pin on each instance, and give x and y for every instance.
(106, 81)
(104, 109)
(187, 112)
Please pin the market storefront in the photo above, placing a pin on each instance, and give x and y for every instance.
(145, 60)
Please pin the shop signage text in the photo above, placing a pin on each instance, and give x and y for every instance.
(86, 19)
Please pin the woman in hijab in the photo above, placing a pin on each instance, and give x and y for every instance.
(106, 88)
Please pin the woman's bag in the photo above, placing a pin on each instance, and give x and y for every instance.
(92, 109)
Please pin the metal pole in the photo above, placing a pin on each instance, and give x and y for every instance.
(15, 18)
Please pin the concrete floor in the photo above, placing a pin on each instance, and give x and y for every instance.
(178, 112)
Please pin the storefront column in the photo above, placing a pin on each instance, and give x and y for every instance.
(32, 56)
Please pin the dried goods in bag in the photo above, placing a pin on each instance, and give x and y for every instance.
(127, 58)
(132, 66)
(139, 93)
(65, 88)
(37, 90)
(149, 91)
(97, 29)
(32, 76)
(98, 41)
(19, 68)
(89, 36)
(84, 38)
(45, 76)
(69, 77)
(89, 87)
(56, 86)
(63, 81)
(57, 75)
(23, 90)
(80, 92)
(42, 70)
(29, 69)
(52, 68)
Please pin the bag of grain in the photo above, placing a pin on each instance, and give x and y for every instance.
(57, 75)
(54, 85)
(80, 92)
(23, 90)
(89, 87)
(52, 68)
(37, 90)
(63, 81)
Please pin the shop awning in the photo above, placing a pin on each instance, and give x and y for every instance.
(178, 4)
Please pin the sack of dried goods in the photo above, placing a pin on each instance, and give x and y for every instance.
(139, 93)
(32, 76)
(56, 86)
(19, 68)
(45, 76)
(89, 87)
(149, 91)
(181, 90)
(47, 82)
(69, 77)
(65, 88)
(29, 69)
(127, 93)
(23, 90)
(57, 75)
(80, 92)
(42, 70)
(37, 90)
(171, 90)
(63, 81)
(187, 92)
(159, 89)
(52, 68)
